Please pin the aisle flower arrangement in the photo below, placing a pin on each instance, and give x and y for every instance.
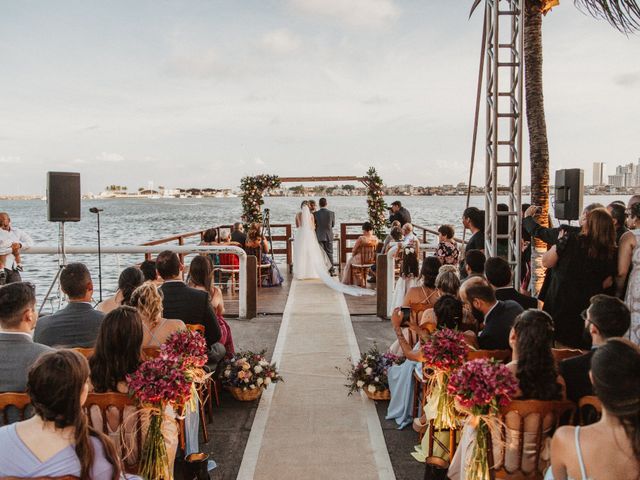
(481, 387)
(156, 384)
(375, 202)
(443, 352)
(253, 188)
(247, 374)
(370, 373)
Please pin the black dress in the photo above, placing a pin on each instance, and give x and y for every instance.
(576, 278)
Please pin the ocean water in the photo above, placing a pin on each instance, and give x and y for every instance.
(135, 221)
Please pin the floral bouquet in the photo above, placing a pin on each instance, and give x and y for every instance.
(443, 353)
(370, 373)
(156, 384)
(480, 388)
(249, 372)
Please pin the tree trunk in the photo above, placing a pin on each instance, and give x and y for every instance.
(537, 125)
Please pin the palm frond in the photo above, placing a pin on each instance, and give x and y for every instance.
(474, 6)
(624, 15)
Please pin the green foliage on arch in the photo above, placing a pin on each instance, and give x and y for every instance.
(253, 188)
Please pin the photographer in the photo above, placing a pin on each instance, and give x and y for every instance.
(12, 241)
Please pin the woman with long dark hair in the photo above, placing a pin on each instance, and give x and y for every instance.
(609, 448)
(130, 279)
(426, 294)
(258, 245)
(58, 439)
(409, 274)
(584, 265)
(201, 277)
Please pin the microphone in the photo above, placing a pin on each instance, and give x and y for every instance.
(96, 209)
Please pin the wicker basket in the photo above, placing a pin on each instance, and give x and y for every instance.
(247, 395)
(383, 395)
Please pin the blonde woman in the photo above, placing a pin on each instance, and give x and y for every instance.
(147, 299)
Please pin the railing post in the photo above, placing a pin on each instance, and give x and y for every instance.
(181, 243)
(381, 285)
(242, 287)
(251, 294)
(343, 243)
(289, 253)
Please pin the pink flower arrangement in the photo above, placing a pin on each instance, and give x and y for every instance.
(188, 346)
(483, 386)
(445, 350)
(161, 381)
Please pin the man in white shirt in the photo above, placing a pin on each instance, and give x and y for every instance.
(12, 240)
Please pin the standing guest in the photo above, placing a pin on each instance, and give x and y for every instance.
(18, 351)
(188, 304)
(148, 269)
(605, 318)
(632, 201)
(13, 240)
(130, 279)
(258, 245)
(447, 250)
(399, 213)
(619, 215)
(498, 273)
(201, 278)
(58, 440)
(473, 219)
(498, 316)
(367, 239)
(584, 265)
(629, 260)
(147, 300)
(474, 261)
(325, 220)
(238, 235)
(609, 448)
(525, 255)
(77, 324)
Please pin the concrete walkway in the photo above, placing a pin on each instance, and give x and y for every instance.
(307, 427)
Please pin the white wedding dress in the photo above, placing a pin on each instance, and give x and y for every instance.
(311, 262)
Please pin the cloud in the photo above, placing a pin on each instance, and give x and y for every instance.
(357, 13)
(110, 157)
(280, 42)
(627, 79)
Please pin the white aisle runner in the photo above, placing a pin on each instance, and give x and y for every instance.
(307, 427)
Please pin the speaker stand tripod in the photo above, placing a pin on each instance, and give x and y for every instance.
(62, 262)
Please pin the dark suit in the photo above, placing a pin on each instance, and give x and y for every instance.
(239, 237)
(325, 221)
(76, 325)
(17, 354)
(497, 325)
(575, 372)
(511, 293)
(402, 215)
(192, 306)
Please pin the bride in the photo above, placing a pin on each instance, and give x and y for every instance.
(309, 259)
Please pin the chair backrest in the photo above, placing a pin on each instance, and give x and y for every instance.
(114, 401)
(19, 401)
(520, 452)
(86, 352)
(589, 410)
(150, 352)
(503, 356)
(368, 254)
(560, 354)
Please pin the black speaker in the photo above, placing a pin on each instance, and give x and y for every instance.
(569, 194)
(63, 197)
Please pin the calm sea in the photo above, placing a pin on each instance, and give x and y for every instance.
(132, 222)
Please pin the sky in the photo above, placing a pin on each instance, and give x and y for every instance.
(199, 93)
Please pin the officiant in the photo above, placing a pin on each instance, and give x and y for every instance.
(399, 213)
(325, 221)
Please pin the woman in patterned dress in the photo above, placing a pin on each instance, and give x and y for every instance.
(629, 259)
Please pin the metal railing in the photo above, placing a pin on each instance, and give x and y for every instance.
(245, 296)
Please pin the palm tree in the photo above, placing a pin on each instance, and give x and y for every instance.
(624, 16)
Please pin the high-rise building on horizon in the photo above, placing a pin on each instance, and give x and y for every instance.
(599, 169)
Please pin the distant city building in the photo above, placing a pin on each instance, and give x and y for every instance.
(626, 176)
(599, 169)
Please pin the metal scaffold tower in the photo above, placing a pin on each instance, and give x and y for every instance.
(504, 61)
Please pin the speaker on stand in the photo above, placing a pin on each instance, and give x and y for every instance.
(569, 194)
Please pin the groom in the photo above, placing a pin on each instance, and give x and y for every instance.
(325, 221)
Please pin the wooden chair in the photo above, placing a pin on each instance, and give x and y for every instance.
(19, 401)
(108, 402)
(230, 270)
(85, 352)
(589, 410)
(503, 356)
(149, 353)
(524, 467)
(263, 270)
(437, 459)
(560, 354)
(360, 270)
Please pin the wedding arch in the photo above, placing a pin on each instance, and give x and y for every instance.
(254, 188)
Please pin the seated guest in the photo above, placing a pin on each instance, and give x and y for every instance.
(130, 279)
(619, 215)
(148, 268)
(448, 280)
(447, 250)
(228, 261)
(395, 235)
(238, 235)
(498, 273)
(474, 261)
(498, 316)
(57, 440)
(201, 278)
(17, 349)
(258, 245)
(147, 300)
(210, 237)
(409, 275)
(609, 448)
(605, 318)
(77, 324)
(408, 236)
(187, 304)
(446, 313)
(367, 239)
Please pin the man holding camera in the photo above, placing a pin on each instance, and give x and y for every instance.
(12, 241)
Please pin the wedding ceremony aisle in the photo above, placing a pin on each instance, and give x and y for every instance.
(307, 426)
